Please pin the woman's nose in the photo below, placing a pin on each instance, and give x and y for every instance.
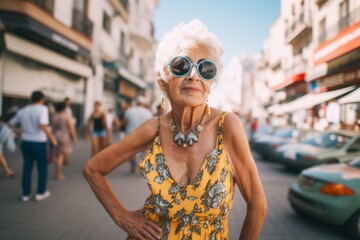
(193, 73)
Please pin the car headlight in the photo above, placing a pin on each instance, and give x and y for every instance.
(336, 189)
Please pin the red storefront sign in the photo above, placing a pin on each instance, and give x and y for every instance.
(346, 40)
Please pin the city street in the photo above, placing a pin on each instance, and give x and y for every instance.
(72, 211)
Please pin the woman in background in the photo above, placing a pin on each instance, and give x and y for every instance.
(62, 128)
(96, 125)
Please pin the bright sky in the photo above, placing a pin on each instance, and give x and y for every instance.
(241, 25)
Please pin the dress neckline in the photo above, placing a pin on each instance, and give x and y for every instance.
(206, 159)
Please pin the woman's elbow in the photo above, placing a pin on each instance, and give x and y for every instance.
(260, 207)
(89, 170)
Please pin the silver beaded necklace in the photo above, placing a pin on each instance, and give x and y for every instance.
(189, 139)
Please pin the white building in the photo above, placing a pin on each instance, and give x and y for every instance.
(46, 46)
(322, 65)
(239, 89)
(124, 51)
(86, 50)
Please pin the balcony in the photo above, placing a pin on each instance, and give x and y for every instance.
(348, 20)
(298, 66)
(123, 59)
(82, 24)
(141, 33)
(298, 29)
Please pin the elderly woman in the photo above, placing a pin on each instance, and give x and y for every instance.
(194, 154)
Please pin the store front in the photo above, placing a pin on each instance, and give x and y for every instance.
(40, 53)
(341, 56)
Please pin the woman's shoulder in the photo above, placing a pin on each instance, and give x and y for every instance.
(149, 126)
(231, 122)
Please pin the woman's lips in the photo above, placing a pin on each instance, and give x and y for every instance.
(191, 89)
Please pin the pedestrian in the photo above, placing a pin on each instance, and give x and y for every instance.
(97, 128)
(6, 137)
(33, 120)
(196, 153)
(122, 126)
(111, 120)
(133, 118)
(69, 111)
(62, 128)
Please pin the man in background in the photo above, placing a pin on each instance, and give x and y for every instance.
(134, 117)
(33, 120)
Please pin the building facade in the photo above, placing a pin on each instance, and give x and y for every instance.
(86, 50)
(322, 65)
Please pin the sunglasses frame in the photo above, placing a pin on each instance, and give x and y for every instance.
(191, 66)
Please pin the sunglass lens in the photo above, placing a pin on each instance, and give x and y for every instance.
(180, 66)
(207, 70)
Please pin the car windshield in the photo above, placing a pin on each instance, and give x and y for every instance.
(329, 140)
(285, 133)
(355, 163)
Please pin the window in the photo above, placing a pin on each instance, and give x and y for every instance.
(107, 23)
(122, 42)
(80, 21)
(343, 14)
(80, 5)
(322, 30)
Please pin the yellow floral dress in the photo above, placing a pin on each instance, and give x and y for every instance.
(198, 210)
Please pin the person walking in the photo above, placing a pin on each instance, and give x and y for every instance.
(62, 128)
(133, 118)
(6, 137)
(111, 120)
(97, 128)
(33, 120)
(195, 154)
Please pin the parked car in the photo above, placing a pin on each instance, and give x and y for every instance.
(266, 145)
(330, 193)
(327, 147)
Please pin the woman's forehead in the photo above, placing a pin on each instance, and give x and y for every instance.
(195, 51)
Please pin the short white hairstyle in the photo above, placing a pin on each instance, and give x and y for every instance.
(184, 37)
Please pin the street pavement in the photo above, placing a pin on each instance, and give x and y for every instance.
(73, 212)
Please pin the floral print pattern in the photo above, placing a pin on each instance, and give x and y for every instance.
(197, 211)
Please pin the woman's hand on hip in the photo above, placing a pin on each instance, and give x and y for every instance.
(134, 223)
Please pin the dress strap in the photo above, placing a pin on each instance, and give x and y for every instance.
(219, 137)
(158, 127)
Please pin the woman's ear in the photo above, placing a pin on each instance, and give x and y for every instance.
(163, 85)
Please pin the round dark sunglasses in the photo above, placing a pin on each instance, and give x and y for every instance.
(181, 66)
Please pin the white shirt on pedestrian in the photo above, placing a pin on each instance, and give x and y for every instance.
(110, 120)
(135, 116)
(30, 118)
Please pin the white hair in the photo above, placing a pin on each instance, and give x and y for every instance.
(184, 37)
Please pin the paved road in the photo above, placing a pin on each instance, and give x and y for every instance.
(72, 212)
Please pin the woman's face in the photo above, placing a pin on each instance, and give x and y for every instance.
(97, 106)
(189, 90)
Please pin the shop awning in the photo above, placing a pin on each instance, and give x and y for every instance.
(351, 97)
(308, 101)
(45, 56)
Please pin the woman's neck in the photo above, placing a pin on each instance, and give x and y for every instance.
(187, 118)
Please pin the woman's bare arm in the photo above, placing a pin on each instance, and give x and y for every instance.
(246, 177)
(71, 128)
(106, 161)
